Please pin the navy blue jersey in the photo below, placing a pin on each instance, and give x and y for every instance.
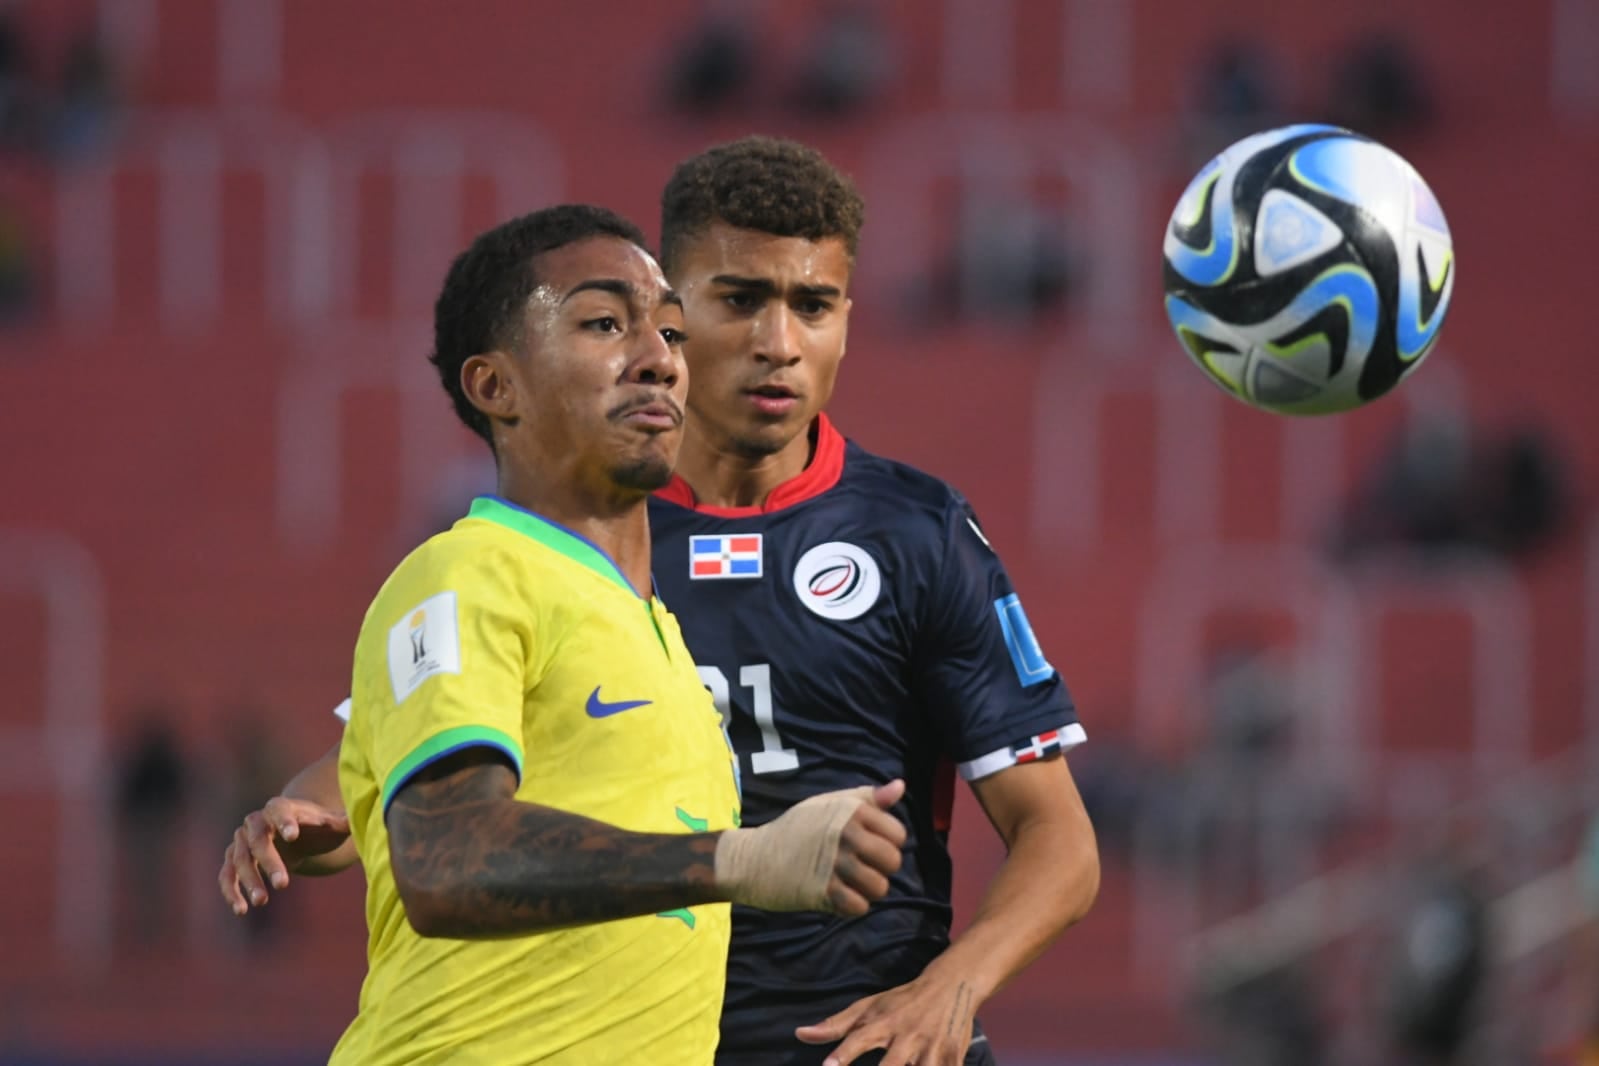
(855, 629)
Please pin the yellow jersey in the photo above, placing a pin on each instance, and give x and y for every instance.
(512, 632)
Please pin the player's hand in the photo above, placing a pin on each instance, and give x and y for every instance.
(927, 1022)
(832, 852)
(272, 842)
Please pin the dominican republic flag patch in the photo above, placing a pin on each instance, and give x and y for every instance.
(724, 555)
(1038, 747)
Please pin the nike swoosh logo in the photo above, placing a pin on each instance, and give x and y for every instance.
(598, 708)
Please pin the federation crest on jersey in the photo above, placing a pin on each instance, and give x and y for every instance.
(724, 555)
(837, 580)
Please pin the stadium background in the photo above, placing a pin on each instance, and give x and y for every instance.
(216, 271)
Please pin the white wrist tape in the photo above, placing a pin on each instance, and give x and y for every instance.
(787, 864)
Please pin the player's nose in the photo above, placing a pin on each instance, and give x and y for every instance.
(655, 362)
(778, 338)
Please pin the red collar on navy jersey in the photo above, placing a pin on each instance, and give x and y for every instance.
(823, 472)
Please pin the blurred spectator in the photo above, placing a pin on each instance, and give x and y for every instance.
(86, 113)
(17, 94)
(17, 281)
(255, 767)
(1238, 92)
(714, 69)
(1264, 1017)
(1011, 259)
(1378, 88)
(153, 785)
(848, 62)
(1440, 492)
(1416, 494)
(1439, 962)
(1255, 818)
(1239, 816)
(1116, 784)
(1526, 495)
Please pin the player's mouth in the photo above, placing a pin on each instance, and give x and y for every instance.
(655, 415)
(773, 400)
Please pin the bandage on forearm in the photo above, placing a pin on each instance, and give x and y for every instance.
(787, 864)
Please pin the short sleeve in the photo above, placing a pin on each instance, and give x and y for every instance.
(441, 667)
(979, 668)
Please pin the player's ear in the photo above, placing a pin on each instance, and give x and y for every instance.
(489, 386)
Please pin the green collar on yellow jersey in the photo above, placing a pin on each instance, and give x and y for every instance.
(552, 535)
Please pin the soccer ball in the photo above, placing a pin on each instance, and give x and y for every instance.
(1308, 269)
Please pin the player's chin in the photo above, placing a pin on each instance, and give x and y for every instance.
(647, 470)
(769, 436)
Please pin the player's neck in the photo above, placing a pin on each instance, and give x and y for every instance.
(721, 477)
(617, 525)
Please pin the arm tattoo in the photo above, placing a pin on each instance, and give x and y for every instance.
(963, 1001)
(472, 862)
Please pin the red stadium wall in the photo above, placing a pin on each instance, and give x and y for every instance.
(229, 452)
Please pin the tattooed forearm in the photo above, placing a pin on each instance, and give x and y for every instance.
(472, 862)
(958, 1015)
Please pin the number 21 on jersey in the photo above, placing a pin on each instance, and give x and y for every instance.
(773, 758)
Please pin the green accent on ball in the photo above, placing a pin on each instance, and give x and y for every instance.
(1221, 375)
(1436, 282)
(1288, 351)
(1205, 200)
(1196, 347)
(1307, 181)
(1201, 199)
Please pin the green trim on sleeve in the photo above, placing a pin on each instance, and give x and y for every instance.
(449, 742)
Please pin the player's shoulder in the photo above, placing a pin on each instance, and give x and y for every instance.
(471, 545)
(901, 492)
(469, 556)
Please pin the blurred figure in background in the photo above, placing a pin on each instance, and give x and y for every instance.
(17, 93)
(1239, 92)
(713, 69)
(1254, 814)
(1011, 259)
(1265, 1017)
(85, 114)
(1439, 962)
(18, 284)
(154, 782)
(842, 68)
(1380, 89)
(1443, 490)
(254, 765)
(848, 62)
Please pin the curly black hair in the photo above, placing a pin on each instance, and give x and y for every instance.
(774, 186)
(488, 286)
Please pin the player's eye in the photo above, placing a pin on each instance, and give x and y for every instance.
(604, 324)
(675, 338)
(813, 306)
(743, 301)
